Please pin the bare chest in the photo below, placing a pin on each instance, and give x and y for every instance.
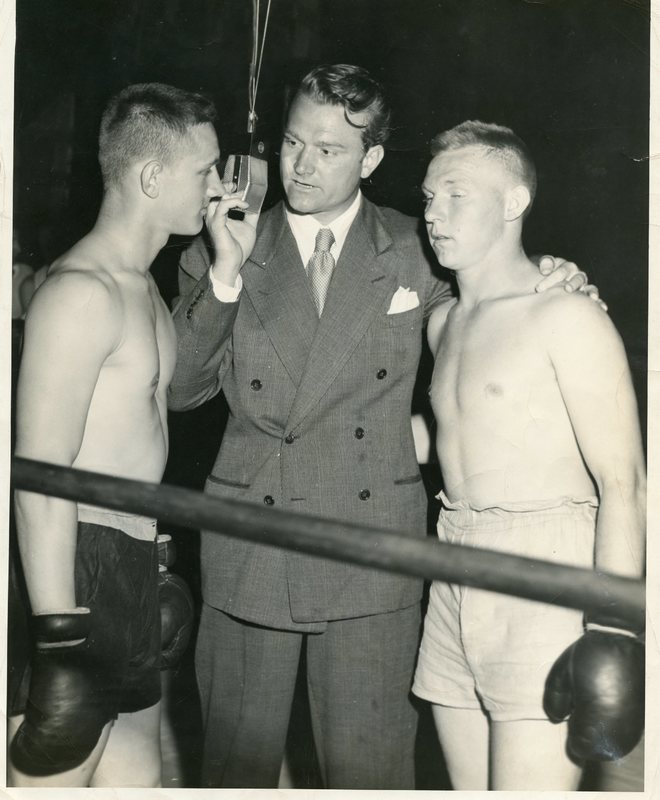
(489, 364)
(146, 355)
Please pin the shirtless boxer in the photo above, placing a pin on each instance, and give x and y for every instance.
(98, 356)
(541, 455)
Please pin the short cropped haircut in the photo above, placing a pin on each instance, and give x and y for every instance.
(353, 88)
(147, 120)
(499, 142)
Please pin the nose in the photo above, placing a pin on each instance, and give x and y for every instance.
(434, 211)
(304, 163)
(214, 186)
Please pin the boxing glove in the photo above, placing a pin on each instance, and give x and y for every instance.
(65, 712)
(176, 617)
(598, 683)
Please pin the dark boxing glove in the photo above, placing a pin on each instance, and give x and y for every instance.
(65, 711)
(176, 617)
(598, 683)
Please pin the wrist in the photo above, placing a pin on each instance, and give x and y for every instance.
(223, 273)
(225, 292)
(595, 626)
(61, 628)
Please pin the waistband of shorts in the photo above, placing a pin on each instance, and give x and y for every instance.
(520, 505)
(133, 525)
(465, 514)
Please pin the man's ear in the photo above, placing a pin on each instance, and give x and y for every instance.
(150, 178)
(372, 159)
(516, 202)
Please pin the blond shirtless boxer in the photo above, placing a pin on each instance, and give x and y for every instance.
(98, 356)
(541, 455)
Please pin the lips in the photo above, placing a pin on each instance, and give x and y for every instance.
(301, 185)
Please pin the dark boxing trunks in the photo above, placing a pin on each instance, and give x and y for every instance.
(117, 578)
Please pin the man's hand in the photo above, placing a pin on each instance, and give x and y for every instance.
(559, 272)
(233, 239)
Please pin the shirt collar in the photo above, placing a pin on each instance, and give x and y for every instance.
(305, 227)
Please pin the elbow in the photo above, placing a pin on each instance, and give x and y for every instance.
(627, 492)
(628, 488)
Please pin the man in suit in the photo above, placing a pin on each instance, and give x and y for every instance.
(319, 381)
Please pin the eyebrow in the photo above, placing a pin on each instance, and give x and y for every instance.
(208, 164)
(334, 145)
(445, 182)
(321, 143)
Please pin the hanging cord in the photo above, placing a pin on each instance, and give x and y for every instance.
(255, 64)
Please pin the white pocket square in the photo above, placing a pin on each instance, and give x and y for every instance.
(403, 300)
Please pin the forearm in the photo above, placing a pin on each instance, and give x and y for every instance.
(621, 527)
(204, 326)
(47, 535)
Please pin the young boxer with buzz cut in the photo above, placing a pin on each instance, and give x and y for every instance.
(98, 356)
(541, 456)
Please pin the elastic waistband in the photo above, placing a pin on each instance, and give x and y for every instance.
(521, 506)
(131, 524)
(464, 515)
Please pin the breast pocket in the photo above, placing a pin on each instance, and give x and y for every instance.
(413, 318)
(398, 336)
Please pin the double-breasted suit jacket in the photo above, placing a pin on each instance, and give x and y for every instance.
(319, 411)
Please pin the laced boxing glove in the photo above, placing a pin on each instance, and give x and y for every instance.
(176, 617)
(598, 683)
(65, 711)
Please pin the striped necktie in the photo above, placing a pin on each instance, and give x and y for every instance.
(320, 266)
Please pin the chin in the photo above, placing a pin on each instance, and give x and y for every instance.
(190, 230)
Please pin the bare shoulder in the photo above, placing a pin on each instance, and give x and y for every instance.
(76, 280)
(557, 307)
(437, 322)
(76, 297)
(571, 320)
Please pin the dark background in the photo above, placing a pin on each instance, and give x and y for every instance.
(571, 77)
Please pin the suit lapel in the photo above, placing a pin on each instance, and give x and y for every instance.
(363, 279)
(276, 284)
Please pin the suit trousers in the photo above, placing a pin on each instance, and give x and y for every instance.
(359, 676)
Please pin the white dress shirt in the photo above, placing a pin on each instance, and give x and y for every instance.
(304, 228)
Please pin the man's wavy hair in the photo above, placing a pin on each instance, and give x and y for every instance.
(499, 142)
(353, 88)
(147, 120)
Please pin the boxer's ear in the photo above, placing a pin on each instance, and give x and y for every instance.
(150, 178)
(516, 202)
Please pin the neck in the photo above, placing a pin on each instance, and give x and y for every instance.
(127, 234)
(504, 272)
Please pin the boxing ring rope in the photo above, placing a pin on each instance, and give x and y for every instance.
(387, 550)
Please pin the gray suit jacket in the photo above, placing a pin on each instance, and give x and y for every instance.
(319, 411)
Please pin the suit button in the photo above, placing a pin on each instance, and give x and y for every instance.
(381, 374)
(268, 500)
(365, 494)
(256, 384)
(359, 433)
(290, 438)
